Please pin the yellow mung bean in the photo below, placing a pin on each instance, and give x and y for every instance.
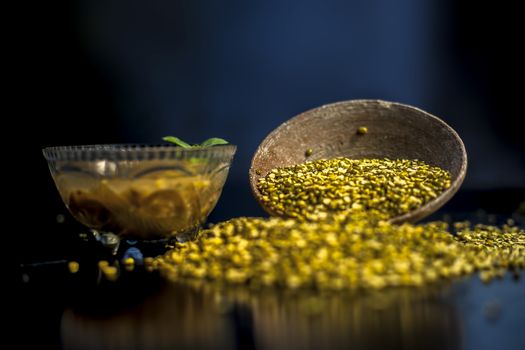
(382, 188)
(342, 255)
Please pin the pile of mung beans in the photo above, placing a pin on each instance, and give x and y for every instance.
(334, 255)
(383, 188)
(337, 236)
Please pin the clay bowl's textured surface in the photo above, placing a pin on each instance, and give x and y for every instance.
(394, 131)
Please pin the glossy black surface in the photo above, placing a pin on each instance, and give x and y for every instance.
(141, 310)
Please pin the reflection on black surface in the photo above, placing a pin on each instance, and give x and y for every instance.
(140, 310)
(403, 318)
(170, 317)
(198, 317)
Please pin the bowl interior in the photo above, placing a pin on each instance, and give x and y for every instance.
(394, 131)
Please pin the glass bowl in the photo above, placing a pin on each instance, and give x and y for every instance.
(139, 191)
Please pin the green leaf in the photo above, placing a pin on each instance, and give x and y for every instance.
(214, 141)
(176, 141)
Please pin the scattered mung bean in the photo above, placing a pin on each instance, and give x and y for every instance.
(362, 130)
(73, 266)
(342, 255)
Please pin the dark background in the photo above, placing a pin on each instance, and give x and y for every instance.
(93, 71)
(133, 71)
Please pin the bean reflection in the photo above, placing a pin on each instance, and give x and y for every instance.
(176, 317)
(208, 316)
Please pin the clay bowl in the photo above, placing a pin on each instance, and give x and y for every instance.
(394, 131)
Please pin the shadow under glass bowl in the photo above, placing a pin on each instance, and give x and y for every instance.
(140, 191)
